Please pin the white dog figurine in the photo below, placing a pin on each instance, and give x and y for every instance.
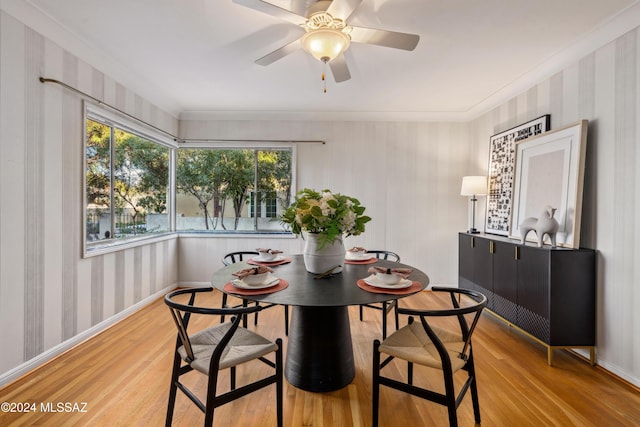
(547, 224)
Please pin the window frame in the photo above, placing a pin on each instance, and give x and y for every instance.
(113, 119)
(243, 145)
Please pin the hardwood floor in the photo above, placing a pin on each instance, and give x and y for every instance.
(122, 375)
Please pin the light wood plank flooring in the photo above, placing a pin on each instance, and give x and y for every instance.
(123, 376)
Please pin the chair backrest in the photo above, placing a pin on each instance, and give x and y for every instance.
(477, 303)
(182, 312)
(233, 257)
(391, 256)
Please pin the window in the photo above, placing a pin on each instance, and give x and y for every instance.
(233, 189)
(126, 181)
(264, 204)
(138, 183)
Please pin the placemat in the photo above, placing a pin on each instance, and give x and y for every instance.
(366, 261)
(269, 263)
(415, 286)
(282, 284)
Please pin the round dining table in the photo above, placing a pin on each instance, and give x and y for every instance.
(319, 352)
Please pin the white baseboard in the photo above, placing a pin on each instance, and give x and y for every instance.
(616, 371)
(55, 351)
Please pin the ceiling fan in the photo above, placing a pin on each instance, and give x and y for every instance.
(327, 34)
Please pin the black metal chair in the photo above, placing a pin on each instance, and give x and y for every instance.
(219, 347)
(385, 306)
(436, 347)
(238, 256)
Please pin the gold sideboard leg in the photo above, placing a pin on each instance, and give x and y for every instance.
(550, 348)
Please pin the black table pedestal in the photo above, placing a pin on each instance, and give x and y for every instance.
(325, 362)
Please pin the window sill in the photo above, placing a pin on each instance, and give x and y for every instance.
(238, 234)
(116, 245)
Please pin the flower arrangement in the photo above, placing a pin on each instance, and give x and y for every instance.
(330, 215)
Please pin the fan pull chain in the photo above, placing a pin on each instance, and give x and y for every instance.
(324, 68)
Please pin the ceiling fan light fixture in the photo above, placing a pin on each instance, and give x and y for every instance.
(325, 44)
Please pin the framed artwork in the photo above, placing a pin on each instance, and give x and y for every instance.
(501, 170)
(549, 171)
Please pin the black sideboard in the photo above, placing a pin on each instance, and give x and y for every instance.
(547, 293)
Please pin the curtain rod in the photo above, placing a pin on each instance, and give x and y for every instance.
(93, 98)
(284, 141)
(175, 138)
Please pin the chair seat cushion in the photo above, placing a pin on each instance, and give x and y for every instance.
(244, 346)
(412, 343)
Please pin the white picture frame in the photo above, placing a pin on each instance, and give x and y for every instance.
(549, 170)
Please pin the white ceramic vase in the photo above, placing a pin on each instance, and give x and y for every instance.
(319, 261)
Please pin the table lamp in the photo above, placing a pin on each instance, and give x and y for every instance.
(473, 186)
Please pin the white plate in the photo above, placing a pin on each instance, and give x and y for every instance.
(373, 280)
(270, 281)
(355, 257)
(260, 259)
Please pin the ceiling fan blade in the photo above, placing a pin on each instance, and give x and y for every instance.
(339, 68)
(384, 38)
(279, 53)
(342, 9)
(273, 10)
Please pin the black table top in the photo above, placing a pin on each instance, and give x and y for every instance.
(334, 291)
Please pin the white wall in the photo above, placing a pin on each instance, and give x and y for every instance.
(407, 175)
(604, 88)
(49, 296)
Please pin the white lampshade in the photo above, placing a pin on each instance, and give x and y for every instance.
(474, 186)
(325, 43)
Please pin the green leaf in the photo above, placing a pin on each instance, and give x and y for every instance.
(316, 211)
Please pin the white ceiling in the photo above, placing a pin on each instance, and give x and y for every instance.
(198, 55)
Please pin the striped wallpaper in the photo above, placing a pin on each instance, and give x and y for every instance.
(50, 297)
(407, 174)
(603, 88)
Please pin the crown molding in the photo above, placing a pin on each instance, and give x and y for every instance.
(625, 21)
(36, 19)
(324, 116)
(620, 24)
